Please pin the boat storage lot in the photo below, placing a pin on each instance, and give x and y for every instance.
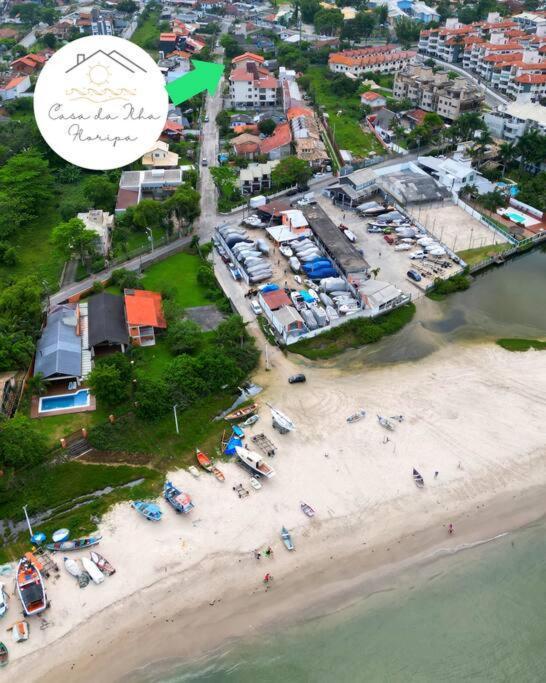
(393, 265)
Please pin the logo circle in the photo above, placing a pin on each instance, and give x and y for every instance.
(100, 102)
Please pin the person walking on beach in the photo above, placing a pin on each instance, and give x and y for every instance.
(257, 555)
(269, 552)
(450, 529)
(436, 474)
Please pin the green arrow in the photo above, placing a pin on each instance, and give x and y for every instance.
(205, 76)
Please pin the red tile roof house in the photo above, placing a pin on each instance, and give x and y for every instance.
(278, 145)
(373, 100)
(144, 314)
(29, 64)
(14, 88)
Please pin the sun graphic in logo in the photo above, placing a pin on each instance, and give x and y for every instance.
(98, 74)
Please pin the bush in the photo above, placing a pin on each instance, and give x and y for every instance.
(151, 399)
(21, 443)
(125, 279)
(98, 287)
(184, 336)
(457, 283)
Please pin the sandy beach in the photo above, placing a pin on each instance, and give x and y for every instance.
(474, 414)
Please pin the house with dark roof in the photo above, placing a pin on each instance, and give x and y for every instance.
(107, 327)
(59, 349)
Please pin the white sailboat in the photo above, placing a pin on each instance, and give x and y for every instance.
(281, 421)
(255, 462)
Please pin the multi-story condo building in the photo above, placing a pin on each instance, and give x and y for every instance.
(510, 122)
(436, 91)
(384, 58)
(251, 85)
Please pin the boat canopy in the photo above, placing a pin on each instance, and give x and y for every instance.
(231, 446)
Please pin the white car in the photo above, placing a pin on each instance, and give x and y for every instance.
(417, 255)
(256, 308)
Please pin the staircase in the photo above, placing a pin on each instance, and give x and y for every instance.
(86, 353)
(78, 448)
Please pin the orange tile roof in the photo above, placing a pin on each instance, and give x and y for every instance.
(144, 308)
(241, 74)
(30, 60)
(14, 82)
(248, 55)
(500, 48)
(504, 58)
(371, 96)
(370, 60)
(294, 112)
(281, 136)
(531, 78)
(173, 126)
(529, 66)
(246, 147)
(168, 36)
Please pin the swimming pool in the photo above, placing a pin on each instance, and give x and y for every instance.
(78, 400)
(517, 217)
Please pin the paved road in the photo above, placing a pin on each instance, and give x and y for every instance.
(134, 264)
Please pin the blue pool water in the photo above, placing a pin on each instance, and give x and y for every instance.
(80, 398)
(516, 217)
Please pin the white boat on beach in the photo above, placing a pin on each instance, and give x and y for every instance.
(91, 568)
(386, 423)
(192, 469)
(280, 421)
(286, 251)
(255, 462)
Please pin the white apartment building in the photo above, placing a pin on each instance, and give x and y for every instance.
(383, 59)
(510, 122)
(251, 85)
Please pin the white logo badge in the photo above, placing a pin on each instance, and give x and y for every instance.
(100, 102)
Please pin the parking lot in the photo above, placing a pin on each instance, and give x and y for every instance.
(393, 265)
(455, 227)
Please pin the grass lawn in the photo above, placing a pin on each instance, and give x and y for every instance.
(177, 273)
(348, 133)
(35, 252)
(522, 344)
(147, 35)
(47, 488)
(353, 334)
(473, 256)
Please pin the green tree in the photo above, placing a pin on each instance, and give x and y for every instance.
(74, 239)
(127, 6)
(308, 9)
(185, 203)
(100, 192)
(492, 200)
(26, 190)
(21, 305)
(108, 385)
(149, 213)
(328, 22)
(21, 443)
(218, 371)
(184, 336)
(232, 337)
(223, 119)
(50, 40)
(184, 382)
(125, 279)
(36, 385)
(16, 347)
(508, 152)
(151, 398)
(466, 125)
(382, 14)
(231, 46)
(532, 147)
(267, 126)
(291, 171)
(407, 30)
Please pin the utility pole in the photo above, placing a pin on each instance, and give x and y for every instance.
(176, 418)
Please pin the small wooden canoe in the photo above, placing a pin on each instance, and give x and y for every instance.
(102, 563)
(218, 473)
(4, 655)
(418, 479)
(242, 412)
(287, 539)
(307, 509)
(203, 460)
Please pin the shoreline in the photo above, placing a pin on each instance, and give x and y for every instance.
(192, 583)
(293, 599)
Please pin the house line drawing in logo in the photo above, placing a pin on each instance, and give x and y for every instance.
(106, 74)
(113, 55)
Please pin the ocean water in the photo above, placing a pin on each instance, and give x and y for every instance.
(474, 615)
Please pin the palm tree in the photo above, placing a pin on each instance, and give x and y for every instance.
(478, 148)
(36, 385)
(375, 272)
(508, 152)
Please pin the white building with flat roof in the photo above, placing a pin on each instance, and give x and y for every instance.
(511, 121)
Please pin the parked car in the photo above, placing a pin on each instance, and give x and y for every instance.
(389, 239)
(374, 229)
(292, 192)
(206, 119)
(204, 162)
(414, 275)
(296, 379)
(256, 308)
(417, 255)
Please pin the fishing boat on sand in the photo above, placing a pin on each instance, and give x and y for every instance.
(30, 585)
(242, 412)
(74, 569)
(94, 572)
(255, 484)
(218, 473)
(203, 460)
(287, 539)
(180, 501)
(3, 600)
(102, 563)
(151, 511)
(255, 462)
(386, 423)
(251, 420)
(4, 655)
(281, 422)
(76, 544)
(20, 631)
(192, 469)
(355, 417)
(307, 509)
(418, 479)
